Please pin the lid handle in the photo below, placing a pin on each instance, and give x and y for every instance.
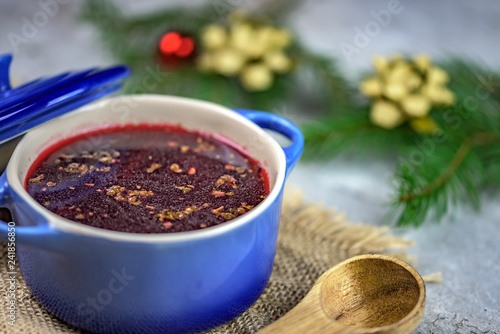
(5, 61)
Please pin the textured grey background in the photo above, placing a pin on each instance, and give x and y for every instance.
(465, 247)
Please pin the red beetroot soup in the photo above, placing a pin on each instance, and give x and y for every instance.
(147, 179)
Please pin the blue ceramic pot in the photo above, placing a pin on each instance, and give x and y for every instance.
(114, 282)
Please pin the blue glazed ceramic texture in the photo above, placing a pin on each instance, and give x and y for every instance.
(109, 286)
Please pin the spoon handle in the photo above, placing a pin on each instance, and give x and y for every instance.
(302, 321)
(307, 317)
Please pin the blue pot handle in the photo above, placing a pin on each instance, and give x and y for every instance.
(283, 126)
(40, 236)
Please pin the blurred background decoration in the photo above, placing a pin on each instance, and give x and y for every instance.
(236, 58)
(443, 139)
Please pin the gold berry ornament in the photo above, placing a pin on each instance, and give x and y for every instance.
(405, 90)
(253, 51)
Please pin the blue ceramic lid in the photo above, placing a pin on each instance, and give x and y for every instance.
(36, 102)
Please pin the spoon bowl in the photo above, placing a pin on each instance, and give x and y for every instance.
(364, 294)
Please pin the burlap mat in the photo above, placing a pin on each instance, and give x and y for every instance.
(311, 240)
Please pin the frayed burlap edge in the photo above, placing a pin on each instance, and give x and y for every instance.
(311, 240)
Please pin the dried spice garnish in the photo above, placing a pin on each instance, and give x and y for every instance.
(173, 144)
(153, 167)
(86, 155)
(231, 167)
(89, 184)
(246, 206)
(103, 169)
(130, 199)
(105, 157)
(227, 215)
(185, 190)
(218, 210)
(240, 169)
(80, 216)
(225, 179)
(37, 179)
(204, 146)
(51, 184)
(76, 167)
(171, 215)
(217, 193)
(66, 157)
(102, 156)
(184, 148)
(175, 168)
(190, 209)
(130, 196)
(192, 171)
(46, 203)
(167, 224)
(113, 190)
(238, 211)
(140, 193)
(233, 212)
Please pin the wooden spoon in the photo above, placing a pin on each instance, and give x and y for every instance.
(363, 294)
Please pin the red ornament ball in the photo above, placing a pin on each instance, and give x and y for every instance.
(175, 47)
(170, 43)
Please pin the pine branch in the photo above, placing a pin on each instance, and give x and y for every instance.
(448, 176)
(462, 152)
(351, 132)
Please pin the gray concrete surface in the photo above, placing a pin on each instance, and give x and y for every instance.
(465, 247)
